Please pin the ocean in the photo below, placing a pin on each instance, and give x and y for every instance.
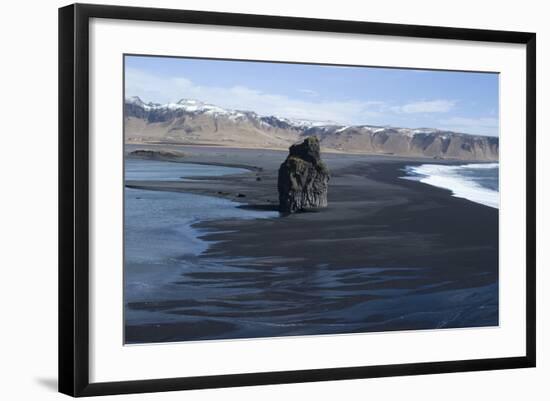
(477, 182)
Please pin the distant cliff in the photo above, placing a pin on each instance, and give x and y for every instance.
(194, 122)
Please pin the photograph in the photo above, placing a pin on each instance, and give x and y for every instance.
(269, 199)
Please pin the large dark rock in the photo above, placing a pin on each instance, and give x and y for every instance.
(303, 178)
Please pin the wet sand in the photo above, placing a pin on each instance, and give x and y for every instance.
(374, 219)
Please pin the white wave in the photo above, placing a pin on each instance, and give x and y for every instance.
(449, 177)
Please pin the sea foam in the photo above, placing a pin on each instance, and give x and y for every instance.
(454, 179)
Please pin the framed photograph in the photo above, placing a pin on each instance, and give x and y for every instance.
(251, 199)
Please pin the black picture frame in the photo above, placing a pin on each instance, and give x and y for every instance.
(74, 198)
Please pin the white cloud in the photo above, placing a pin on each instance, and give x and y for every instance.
(150, 87)
(163, 90)
(477, 126)
(428, 106)
(309, 92)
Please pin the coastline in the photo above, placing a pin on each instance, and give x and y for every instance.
(367, 188)
(262, 164)
(428, 241)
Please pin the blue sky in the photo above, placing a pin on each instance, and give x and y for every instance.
(458, 101)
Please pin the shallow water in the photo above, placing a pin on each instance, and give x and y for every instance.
(135, 169)
(173, 294)
(158, 233)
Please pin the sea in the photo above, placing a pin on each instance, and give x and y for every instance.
(172, 293)
(477, 182)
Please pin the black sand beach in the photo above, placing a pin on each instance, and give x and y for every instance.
(426, 241)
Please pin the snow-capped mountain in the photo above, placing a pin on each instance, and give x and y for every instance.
(192, 121)
(188, 105)
(198, 107)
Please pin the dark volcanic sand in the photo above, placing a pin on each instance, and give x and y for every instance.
(374, 219)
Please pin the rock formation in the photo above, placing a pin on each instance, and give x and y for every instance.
(303, 178)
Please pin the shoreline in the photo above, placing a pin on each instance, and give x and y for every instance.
(203, 185)
(258, 170)
(371, 190)
(424, 243)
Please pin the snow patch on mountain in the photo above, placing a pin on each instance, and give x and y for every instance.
(273, 121)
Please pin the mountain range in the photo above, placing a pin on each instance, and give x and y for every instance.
(191, 121)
